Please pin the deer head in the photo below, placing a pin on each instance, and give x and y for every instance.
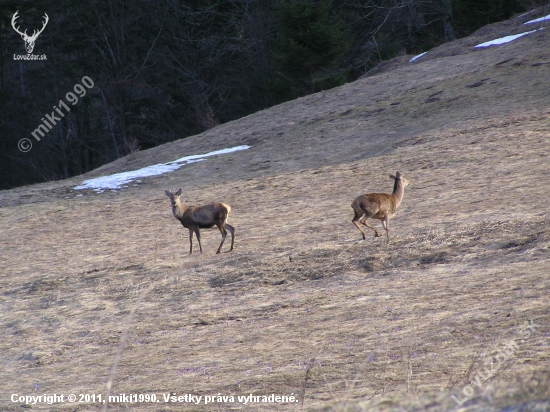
(29, 40)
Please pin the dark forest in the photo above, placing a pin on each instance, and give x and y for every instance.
(114, 77)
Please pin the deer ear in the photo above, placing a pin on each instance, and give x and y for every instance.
(178, 193)
(167, 193)
(393, 177)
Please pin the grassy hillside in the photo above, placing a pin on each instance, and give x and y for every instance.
(99, 296)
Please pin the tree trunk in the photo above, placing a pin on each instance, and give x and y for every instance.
(448, 31)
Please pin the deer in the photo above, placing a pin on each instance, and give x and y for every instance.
(201, 217)
(381, 206)
(29, 40)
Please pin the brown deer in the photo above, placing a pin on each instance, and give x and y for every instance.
(381, 206)
(201, 217)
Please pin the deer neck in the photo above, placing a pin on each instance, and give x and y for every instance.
(179, 209)
(398, 192)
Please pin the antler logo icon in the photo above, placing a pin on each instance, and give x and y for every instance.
(29, 40)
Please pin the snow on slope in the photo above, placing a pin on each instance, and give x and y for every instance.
(416, 57)
(118, 180)
(501, 40)
(538, 20)
(506, 39)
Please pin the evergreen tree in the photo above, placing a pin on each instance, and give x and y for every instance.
(308, 48)
(470, 15)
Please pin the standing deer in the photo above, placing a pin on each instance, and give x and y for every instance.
(201, 217)
(381, 206)
(29, 40)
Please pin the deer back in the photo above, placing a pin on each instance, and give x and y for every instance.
(379, 204)
(205, 216)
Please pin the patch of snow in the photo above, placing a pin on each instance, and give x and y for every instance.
(503, 40)
(115, 181)
(416, 57)
(538, 20)
(525, 14)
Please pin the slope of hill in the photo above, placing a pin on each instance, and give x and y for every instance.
(99, 296)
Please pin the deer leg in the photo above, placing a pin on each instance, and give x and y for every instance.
(369, 213)
(364, 221)
(386, 225)
(198, 237)
(224, 234)
(232, 230)
(356, 219)
(190, 241)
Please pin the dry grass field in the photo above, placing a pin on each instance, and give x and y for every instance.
(99, 296)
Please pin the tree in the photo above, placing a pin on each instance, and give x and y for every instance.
(308, 49)
(470, 15)
(171, 69)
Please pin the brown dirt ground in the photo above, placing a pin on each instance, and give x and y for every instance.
(302, 306)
